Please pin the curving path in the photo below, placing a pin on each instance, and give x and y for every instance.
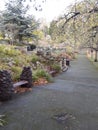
(74, 92)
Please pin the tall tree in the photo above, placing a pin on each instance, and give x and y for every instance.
(15, 22)
(77, 23)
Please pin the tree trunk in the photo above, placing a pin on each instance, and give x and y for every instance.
(91, 53)
(95, 56)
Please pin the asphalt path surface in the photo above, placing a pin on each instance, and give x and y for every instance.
(73, 98)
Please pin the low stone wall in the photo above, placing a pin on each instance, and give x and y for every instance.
(27, 76)
(6, 86)
(6, 83)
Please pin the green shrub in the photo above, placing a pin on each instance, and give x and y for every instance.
(34, 59)
(16, 72)
(17, 61)
(12, 52)
(22, 60)
(2, 48)
(56, 67)
(4, 66)
(9, 50)
(2, 120)
(41, 74)
(28, 58)
(35, 77)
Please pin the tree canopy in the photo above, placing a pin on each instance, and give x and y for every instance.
(15, 24)
(78, 26)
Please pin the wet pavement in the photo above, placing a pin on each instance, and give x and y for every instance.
(74, 93)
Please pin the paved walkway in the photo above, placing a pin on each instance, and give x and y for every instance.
(74, 92)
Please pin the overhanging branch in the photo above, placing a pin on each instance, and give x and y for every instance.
(73, 16)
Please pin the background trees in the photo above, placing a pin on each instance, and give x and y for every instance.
(78, 26)
(15, 24)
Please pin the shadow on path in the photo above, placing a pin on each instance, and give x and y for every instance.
(74, 92)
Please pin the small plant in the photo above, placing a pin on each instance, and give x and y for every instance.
(56, 67)
(35, 77)
(11, 52)
(2, 120)
(34, 59)
(16, 72)
(41, 74)
(17, 61)
(2, 48)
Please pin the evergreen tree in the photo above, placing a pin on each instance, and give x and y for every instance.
(15, 22)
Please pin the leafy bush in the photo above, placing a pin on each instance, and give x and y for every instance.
(22, 60)
(2, 48)
(16, 72)
(12, 52)
(2, 120)
(34, 59)
(9, 50)
(17, 61)
(56, 67)
(35, 77)
(41, 74)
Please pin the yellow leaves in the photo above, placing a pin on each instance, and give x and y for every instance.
(39, 33)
